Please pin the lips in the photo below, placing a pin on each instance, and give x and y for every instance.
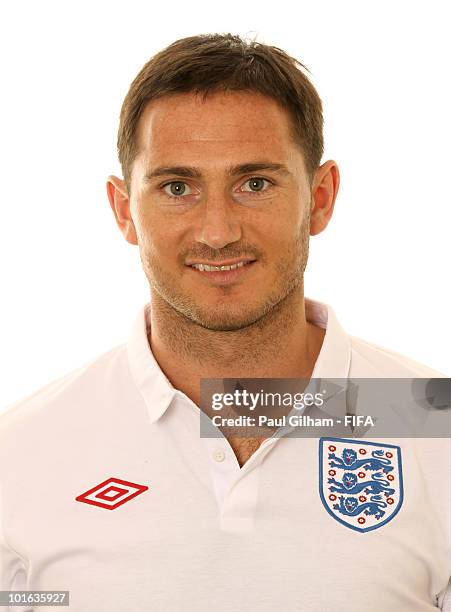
(219, 267)
(224, 277)
(228, 262)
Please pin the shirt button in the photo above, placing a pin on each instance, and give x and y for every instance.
(219, 455)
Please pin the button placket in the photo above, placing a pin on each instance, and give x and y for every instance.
(218, 455)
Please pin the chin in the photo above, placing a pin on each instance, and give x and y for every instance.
(227, 320)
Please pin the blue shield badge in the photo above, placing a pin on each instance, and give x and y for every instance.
(360, 482)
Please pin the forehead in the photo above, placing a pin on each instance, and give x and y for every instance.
(225, 120)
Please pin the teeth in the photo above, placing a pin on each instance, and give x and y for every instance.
(205, 268)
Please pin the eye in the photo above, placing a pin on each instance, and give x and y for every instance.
(256, 184)
(176, 189)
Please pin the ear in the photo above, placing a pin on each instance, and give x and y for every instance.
(324, 192)
(120, 203)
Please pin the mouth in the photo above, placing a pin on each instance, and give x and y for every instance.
(221, 275)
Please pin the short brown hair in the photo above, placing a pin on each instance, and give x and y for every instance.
(225, 62)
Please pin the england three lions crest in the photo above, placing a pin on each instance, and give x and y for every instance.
(360, 482)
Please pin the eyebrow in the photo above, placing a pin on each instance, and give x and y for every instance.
(193, 172)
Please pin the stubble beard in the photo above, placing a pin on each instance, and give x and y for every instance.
(183, 321)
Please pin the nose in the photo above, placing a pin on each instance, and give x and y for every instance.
(219, 224)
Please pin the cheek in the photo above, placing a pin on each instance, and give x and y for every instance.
(160, 248)
(155, 247)
(282, 236)
(150, 231)
(284, 219)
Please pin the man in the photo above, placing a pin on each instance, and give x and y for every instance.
(106, 487)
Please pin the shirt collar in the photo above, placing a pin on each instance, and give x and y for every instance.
(334, 359)
(157, 391)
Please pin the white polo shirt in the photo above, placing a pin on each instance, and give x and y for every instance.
(108, 491)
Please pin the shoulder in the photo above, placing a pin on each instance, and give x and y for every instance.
(60, 395)
(370, 359)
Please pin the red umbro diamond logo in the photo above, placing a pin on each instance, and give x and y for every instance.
(111, 493)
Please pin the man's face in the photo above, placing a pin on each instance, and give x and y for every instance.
(218, 215)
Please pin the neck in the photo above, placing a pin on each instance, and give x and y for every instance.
(282, 344)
